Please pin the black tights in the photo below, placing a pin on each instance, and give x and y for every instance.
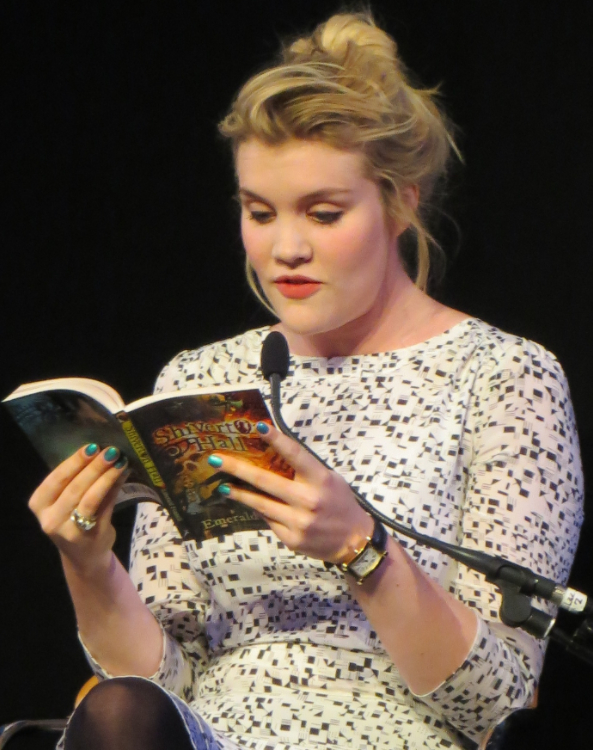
(127, 713)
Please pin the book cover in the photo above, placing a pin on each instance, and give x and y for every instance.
(181, 431)
(59, 422)
(167, 439)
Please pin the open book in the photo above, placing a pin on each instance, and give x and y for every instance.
(167, 439)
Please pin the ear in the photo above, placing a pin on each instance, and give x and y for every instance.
(410, 199)
(411, 196)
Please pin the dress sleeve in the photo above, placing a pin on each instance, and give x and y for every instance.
(160, 570)
(524, 503)
(159, 566)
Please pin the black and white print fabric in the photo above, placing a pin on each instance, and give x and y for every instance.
(468, 437)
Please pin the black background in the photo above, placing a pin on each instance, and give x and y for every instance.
(120, 243)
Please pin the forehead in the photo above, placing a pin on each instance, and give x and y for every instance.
(307, 166)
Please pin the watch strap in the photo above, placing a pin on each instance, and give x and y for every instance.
(373, 552)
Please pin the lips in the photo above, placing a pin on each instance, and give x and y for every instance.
(296, 287)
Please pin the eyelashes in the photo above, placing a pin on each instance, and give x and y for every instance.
(260, 217)
(326, 217)
(320, 217)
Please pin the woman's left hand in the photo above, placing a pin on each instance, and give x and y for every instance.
(315, 514)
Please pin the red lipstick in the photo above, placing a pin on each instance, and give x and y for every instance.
(296, 287)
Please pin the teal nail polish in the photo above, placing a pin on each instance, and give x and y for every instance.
(121, 462)
(91, 449)
(111, 454)
(262, 428)
(224, 489)
(215, 461)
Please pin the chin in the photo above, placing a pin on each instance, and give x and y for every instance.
(310, 325)
(309, 319)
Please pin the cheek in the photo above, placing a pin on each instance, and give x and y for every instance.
(252, 241)
(362, 249)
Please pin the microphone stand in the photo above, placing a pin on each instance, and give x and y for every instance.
(516, 583)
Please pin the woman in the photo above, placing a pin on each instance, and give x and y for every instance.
(256, 640)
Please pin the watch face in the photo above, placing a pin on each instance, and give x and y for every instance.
(368, 557)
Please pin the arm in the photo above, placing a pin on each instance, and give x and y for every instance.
(426, 631)
(473, 678)
(113, 621)
(523, 502)
(127, 627)
(148, 622)
(163, 581)
(143, 623)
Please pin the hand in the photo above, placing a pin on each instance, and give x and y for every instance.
(88, 482)
(315, 514)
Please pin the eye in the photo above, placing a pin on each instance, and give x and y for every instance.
(326, 217)
(260, 216)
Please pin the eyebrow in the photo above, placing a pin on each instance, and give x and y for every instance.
(315, 195)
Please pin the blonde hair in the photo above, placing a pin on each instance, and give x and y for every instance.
(345, 85)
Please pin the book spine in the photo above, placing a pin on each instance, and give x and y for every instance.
(151, 470)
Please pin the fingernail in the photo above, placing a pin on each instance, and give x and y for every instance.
(215, 461)
(262, 428)
(111, 454)
(121, 462)
(91, 449)
(224, 489)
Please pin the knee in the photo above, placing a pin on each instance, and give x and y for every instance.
(120, 701)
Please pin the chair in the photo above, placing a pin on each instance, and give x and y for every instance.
(7, 731)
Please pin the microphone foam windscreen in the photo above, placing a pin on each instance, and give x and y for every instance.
(274, 356)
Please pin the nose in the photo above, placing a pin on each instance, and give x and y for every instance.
(290, 247)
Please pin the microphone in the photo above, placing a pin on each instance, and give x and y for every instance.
(275, 358)
(275, 362)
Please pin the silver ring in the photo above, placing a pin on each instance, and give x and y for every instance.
(84, 523)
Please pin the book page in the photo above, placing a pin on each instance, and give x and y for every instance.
(101, 392)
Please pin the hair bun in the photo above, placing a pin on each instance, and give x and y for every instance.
(352, 41)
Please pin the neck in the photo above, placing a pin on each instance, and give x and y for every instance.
(404, 316)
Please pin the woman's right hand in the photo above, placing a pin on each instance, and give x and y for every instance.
(114, 623)
(87, 482)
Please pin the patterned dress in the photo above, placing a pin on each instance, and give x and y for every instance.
(468, 437)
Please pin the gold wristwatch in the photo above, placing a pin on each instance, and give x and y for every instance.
(369, 557)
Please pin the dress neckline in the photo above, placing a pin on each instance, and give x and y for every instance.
(454, 331)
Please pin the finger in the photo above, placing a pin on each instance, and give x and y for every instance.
(306, 465)
(86, 491)
(110, 499)
(102, 494)
(283, 519)
(263, 479)
(104, 462)
(271, 508)
(56, 482)
(102, 514)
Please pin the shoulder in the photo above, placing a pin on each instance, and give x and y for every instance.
(498, 356)
(520, 390)
(483, 361)
(219, 363)
(509, 373)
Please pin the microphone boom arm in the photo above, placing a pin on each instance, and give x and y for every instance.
(515, 582)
